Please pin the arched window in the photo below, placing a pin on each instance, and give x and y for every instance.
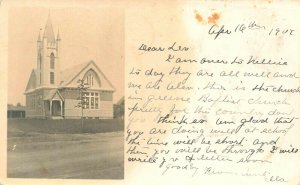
(91, 78)
(52, 60)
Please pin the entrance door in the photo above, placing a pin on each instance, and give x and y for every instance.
(56, 109)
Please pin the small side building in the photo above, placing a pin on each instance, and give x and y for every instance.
(17, 111)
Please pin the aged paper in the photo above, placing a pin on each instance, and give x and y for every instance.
(211, 92)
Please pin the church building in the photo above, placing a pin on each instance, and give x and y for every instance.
(54, 94)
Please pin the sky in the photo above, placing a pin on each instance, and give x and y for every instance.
(86, 34)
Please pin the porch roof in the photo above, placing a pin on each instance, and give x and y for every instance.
(53, 94)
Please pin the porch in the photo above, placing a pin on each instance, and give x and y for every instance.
(54, 105)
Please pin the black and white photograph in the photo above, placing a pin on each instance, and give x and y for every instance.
(148, 92)
(65, 104)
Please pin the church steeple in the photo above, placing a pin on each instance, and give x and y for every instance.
(48, 57)
(58, 36)
(48, 32)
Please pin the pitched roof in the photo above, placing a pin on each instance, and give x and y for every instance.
(68, 74)
(48, 32)
(32, 81)
(51, 94)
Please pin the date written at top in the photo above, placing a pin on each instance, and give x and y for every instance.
(216, 31)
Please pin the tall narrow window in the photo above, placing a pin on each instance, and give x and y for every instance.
(91, 100)
(51, 77)
(40, 61)
(52, 61)
(92, 103)
(91, 78)
(96, 103)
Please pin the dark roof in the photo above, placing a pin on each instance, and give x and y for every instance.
(32, 81)
(16, 108)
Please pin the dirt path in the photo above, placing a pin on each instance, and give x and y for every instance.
(76, 156)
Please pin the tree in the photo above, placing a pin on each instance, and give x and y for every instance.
(82, 89)
(119, 109)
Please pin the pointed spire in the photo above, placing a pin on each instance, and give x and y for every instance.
(48, 32)
(39, 37)
(58, 36)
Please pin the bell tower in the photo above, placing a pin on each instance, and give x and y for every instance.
(48, 65)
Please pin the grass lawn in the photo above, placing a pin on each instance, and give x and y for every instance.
(63, 149)
(17, 127)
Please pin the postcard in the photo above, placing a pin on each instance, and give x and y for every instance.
(150, 92)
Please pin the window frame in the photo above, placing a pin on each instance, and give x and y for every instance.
(92, 100)
(52, 61)
(52, 77)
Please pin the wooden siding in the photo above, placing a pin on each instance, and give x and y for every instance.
(106, 96)
(69, 93)
(71, 111)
